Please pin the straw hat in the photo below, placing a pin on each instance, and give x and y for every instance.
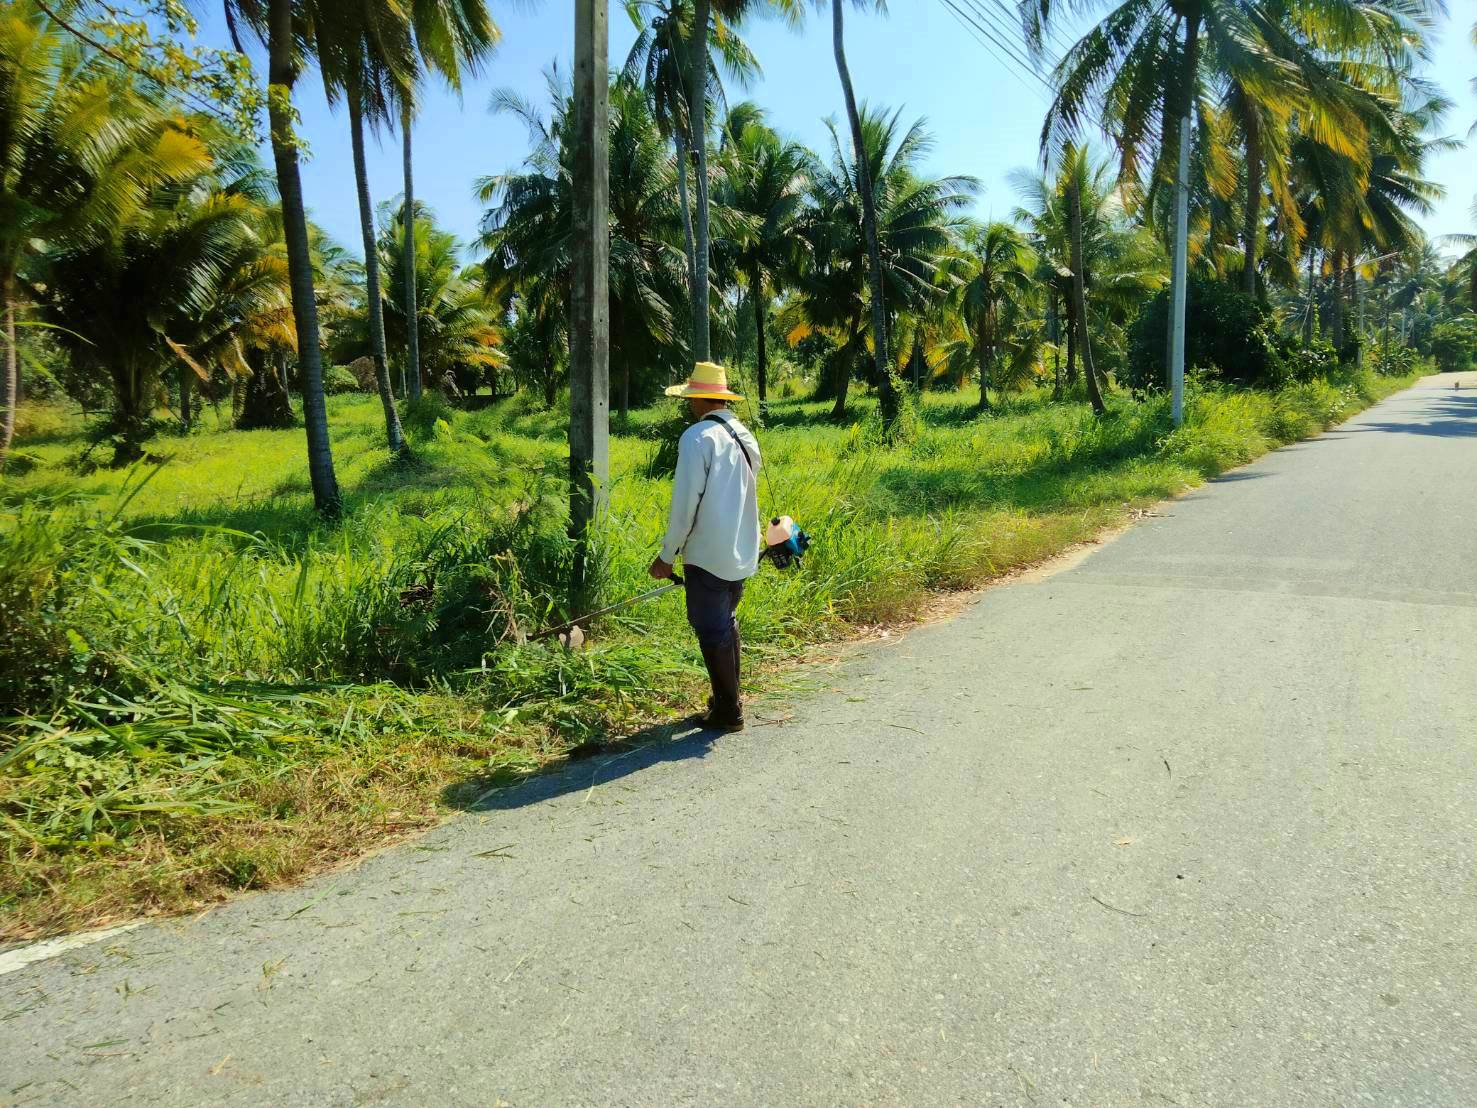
(709, 380)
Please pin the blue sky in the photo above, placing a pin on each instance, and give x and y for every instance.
(985, 118)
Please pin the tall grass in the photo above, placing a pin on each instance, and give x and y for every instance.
(204, 688)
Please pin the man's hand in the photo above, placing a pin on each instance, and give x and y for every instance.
(659, 569)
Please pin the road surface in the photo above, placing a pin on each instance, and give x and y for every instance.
(1191, 823)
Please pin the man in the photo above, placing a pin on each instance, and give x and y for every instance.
(714, 526)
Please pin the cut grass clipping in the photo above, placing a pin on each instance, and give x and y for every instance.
(205, 689)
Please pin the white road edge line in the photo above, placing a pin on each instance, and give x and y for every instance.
(21, 957)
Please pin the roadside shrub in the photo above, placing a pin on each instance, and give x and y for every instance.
(1398, 361)
(364, 375)
(1454, 344)
(31, 559)
(339, 379)
(1226, 332)
(1307, 363)
(423, 413)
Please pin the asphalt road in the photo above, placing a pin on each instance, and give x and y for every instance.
(1191, 823)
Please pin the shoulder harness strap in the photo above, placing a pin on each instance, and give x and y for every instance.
(714, 418)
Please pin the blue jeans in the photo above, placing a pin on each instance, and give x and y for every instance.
(711, 604)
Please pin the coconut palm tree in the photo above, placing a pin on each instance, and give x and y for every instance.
(81, 151)
(918, 220)
(993, 275)
(462, 339)
(190, 282)
(286, 28)
(705, 14)
(931, 339)
(1151, 68)
(528, 226)
(886, 382)
(454, 39)
(1465, 268)
(1362, 205)
(762, 184)
(338, 284)
(1340, 78)
(658, 61)
(365, 56)
(1121, 263)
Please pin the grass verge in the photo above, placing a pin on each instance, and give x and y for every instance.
(207, 690)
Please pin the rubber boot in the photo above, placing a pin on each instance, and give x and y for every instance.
(725, 712)
(738, 671)
(738, 653)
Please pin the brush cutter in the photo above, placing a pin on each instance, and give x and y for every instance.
(567, 631)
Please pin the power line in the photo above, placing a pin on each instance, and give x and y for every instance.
(989, 38)
(1055, 36)
(1004, 35)
(995, 33)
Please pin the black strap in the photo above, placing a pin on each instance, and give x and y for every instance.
(713, 417)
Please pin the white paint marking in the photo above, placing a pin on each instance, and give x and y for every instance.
(23, 956)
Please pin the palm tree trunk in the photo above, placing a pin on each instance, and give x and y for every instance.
(683, 155)
(185, 373)
(10, 379)
(886, 384)
(1079, 296)
(412, 370)
(133, 407)
(1356, 314)
(618, 354)
(985, 353)
(1312, 300)
(1071, 341)
(373, 302)
(282, 73)
(756, 293)
(1054, 336)
(698, 116)
(1251, 229)
(1337, 303)
(843, 358)
(264, 401)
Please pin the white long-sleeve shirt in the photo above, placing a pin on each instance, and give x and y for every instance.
(714, 523)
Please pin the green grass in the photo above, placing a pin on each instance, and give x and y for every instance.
(210, 690)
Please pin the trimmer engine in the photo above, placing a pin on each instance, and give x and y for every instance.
(784, 542)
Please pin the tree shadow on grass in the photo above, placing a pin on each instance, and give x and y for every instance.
(59, 436)
(782, 419)
(584, 768)
(283, 516)
(954, 413)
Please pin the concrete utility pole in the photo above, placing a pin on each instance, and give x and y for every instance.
(589, 335)
(1180, 277)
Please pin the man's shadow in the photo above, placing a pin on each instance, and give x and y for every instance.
(595, 763)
